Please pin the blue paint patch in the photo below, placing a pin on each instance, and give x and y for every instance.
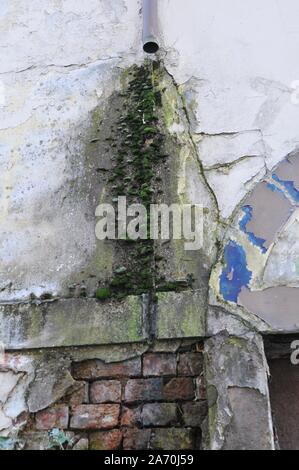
(235, 274)
(243, 227)
(275, 189)
(289, 186)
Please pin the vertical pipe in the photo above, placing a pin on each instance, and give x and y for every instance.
(150, 26)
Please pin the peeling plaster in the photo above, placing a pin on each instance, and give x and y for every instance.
(235, 274)
(263, 278)
(243, 227)
(288, 186)
(237, 365)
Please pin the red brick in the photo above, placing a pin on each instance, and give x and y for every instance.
(194, 413)
(106, 440)
(94, 416)
(159, 364)
(179, 389)
(131, 417)
(190, 363)
(54, 417)
(80, 396)
(96, 369)
(105, 391)
(144, 390)
(136, 439)
(172, 439)
(159, 414)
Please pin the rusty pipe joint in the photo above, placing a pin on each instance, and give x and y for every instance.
(150, 26)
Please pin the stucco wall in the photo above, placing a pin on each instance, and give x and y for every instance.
(235, 62)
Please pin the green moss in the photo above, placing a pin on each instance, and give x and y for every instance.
(138, 138)
(167, 287)
(137, 142)
(149, 130)
(120, 280)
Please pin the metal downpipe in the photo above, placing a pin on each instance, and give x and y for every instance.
(150, 26)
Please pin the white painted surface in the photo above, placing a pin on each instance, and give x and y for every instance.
(58, 62)
(243, 57)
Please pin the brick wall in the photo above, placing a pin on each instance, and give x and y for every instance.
(156, 401)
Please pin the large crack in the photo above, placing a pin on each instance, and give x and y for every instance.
(231, 164)
(189, 132)
(71, 67)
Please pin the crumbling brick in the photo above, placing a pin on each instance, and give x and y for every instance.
(80, 396)
(53, 417)
(190, 364)
(95, 416)
(106, 440)
(136, 439)
(105, 391)
(194, 413)
(96, 369)
(131, 417)
(172, 439)
(179, 389)
(144, 390)
(159, 364)
(159, 414)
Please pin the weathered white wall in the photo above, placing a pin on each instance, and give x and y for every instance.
(58, 62)
(240, 60)
(235, 60)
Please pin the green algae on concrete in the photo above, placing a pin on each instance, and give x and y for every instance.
(180, 315)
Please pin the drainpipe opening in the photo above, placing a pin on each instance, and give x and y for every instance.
(150, 47)
(150, 26)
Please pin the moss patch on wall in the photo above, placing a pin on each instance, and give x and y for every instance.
(139, 171)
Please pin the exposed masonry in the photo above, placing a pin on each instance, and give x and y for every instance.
(154, 401)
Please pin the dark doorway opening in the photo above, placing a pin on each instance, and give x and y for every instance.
(284, 390)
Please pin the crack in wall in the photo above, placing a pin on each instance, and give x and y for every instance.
(229, 165)
(184, 107)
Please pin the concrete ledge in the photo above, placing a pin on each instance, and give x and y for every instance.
(181, 315)
(71, 322)
(86, 322)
